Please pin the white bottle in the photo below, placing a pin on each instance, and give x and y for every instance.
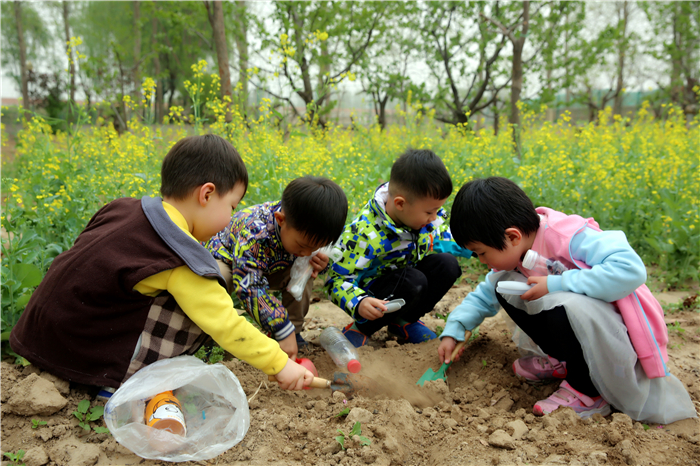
(342, 352)
(540, 265)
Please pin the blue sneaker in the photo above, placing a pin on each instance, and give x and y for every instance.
(416, 332)
(355, 337)
(105, 394)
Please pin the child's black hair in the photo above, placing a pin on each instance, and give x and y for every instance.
(419, 173)
(484, 208)
(196, 160)
(316, 207)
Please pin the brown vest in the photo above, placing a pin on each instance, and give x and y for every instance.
(83, 321)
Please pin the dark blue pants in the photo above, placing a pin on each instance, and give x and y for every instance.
(421, 287)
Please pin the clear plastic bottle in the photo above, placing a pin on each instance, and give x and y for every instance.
(342, 352)
(540, 265)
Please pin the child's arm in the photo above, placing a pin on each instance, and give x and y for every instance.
(252, 288)
(616, 269)
(475, 307)
(294, 376)
(209, 306)
(350, 260)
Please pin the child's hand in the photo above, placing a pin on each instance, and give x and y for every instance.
(537, 291)
(318, 263)
(447, 345)
(289, 346)
(294, 376)
(371, 308)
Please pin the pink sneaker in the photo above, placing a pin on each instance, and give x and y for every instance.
(536, 370)
(584, 406)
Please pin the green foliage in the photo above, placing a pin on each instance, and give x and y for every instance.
(85, 417)
(356, 430)
(676, 327)
(691, 303)
(37, 422)
(16, 458)
(211, 354)
(20, 275)
(344, 412)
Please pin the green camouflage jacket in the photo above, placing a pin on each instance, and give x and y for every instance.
(373, 245)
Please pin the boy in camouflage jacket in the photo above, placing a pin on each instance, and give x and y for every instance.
(399, 247)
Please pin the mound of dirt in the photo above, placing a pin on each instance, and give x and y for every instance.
(482, 415)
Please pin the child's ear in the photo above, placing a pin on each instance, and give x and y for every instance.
(514, 236)
(399, 203)
(205, 192)
(279, 216)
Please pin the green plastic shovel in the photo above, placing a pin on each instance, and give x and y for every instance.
(440, 374)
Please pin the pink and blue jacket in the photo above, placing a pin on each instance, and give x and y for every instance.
(602, 265)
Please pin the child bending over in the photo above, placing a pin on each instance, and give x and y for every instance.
(257, 249)
(601, 329)
(137, 286)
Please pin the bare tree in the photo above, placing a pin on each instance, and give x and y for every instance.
(216, 19)
(69, 50)
(623, 18)
(22, 54)
(452, 37)
(137, 50)
(241, 37)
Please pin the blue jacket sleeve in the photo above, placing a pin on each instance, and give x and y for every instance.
(616, 269)
(478, 305)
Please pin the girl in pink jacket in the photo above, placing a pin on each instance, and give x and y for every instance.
(598, 327)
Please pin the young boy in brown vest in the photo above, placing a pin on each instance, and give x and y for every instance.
(137, 286)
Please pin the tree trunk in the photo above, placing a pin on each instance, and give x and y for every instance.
(381, 117)
(242, 46)
(325, 67)
(216, 18)
(158, 110)
(517, 82)
(137, 51)
(517, 67)
(22, 55)
(71, 61)
(551, 112)
(676, 60)
(517, 77)
(496, 118)
(306, 94)
(623, 12)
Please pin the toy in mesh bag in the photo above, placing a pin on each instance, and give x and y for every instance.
(301, 272)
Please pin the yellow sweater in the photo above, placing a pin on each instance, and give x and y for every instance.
(209, 306)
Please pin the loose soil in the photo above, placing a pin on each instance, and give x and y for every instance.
(481, 416)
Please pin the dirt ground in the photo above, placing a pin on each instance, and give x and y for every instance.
(482, 416)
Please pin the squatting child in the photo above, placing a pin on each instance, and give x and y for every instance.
(601, 331)
(137, 286)
(396, 249)
(256, 250)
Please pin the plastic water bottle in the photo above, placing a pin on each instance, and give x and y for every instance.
(342, 352)
(540, 265)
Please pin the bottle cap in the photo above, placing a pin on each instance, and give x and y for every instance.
(354, 366)
(530, 259)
